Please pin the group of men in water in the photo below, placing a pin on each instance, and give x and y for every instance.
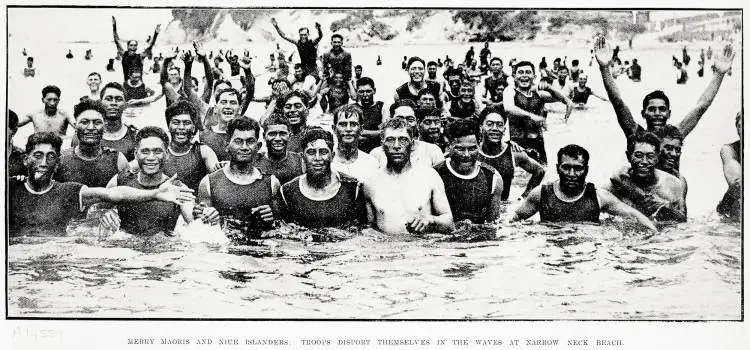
(434, 156)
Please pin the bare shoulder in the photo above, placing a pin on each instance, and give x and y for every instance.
(668, 180)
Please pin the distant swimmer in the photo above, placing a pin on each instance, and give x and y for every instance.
(307, 48)
(15, 156)
(634, 73)
(580, 93)
(322, 196)
(69, 55)
(24, 51)
(403, 63)
(278, 160)
(410, 90)
(681, 74)
(405, 197)
(685, 56)
(111, 65)
(50, 118)
(493, 82)
(216, 136)
(187, 158)
(41, 206)
(94, 81)
(137, 94)
(348, 158)
(501, 155)
(525, 107)
(655, 193)
(29, 71)
(374, 113)
(474, 189)
(89, 162)
(379, 61)
(421, 153)
(430, 127)
(731, 159)
(571, 198)
(131, 59)
(484, 56)
(575, 70)
(89, 55)
(150, 217)
(244, 197)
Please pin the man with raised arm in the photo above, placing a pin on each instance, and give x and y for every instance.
(40, 205)
(131, 59)
(404, 197)
(571, 198)
(306, 48)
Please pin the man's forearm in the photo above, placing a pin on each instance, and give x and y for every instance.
(444, 223)
(624, 117)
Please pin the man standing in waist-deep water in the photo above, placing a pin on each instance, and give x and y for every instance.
(245, 197)
(404, 197)
(322, 197)
(571, 198)
(348, 159)
(731, 158)
(278, 160)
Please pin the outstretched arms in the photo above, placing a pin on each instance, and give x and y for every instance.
(603, 53)
(281, 34)
(116, 37)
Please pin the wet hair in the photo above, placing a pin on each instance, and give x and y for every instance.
(492, 109)
(30, 59)
(243, 124)
(337, 35)
(643, 137)
(432, 63)
(89, 105)
(635, 60)
(422, 113)
(402, 103)
(655, 95)
(315, 133)
(302, 96)
(414, 59)
(303, 29)
(95, 73)
(182, 107)
(41, 138)
(670, 132)
(151, 131)
(227, 91)
(557, 60)
(12, 120)
(276, 118)
(461, 128)
(297, 66)
(496, 59)
(395, 124)
(131, 41)
(524, 63)
(574, 63)
(426, 91)
(51, 88)
(365, 81)
(348, 110)
(359, 66)
(112, 85)
(573, 151)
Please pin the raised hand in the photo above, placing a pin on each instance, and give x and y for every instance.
(178, 194)
(723, 62)
(317, 25)
(187, 56)
(158, 28)
(602, 51)
(114, 22)
(199, 49)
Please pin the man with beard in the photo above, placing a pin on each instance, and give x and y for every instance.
(373, 113)
(403, 196)
(131, 59)
(656, 108)
(422, 153)
(348, 158)
(278, 161)
(243, 195)
(306, 48)
(40, 205)
(655, 193)
(216, 136)
(50, 118)
(117, 135)
(496, 78)
(149, 217)
(731, 159)
(322, 197)
(580, 93)
(571, 198)
(501, 155)
(473, 188)
(94, 80)
(15, 155)
(337, 59)
(466, 106)
(410, 90)
(190, 160)
(336, 93)
(89, 163)
(294, 106)
(525, 106)
(429, 122)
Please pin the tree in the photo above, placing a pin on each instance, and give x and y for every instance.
(630, 30)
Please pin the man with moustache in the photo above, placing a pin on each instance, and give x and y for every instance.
(216, 136)
(294, 105)
(278, 160)
(40, 205)
(244, 196)
(306, 48)
(473, 188)
(429, 121)
(501, 155)
(373, 114)
(571, 198)
(403, 196)
(348, 158)
(731, 159)
(89, 163)
(421, 152)
(49, 118)
(525, 107)
(653, 192)
(410, 90)
(337, 59)
(149, 217)
(322, 197)
(190, 160)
